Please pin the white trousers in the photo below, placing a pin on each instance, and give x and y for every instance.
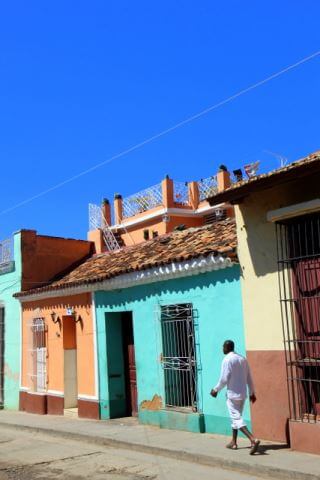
(235, 408)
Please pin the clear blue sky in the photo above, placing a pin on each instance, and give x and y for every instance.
(81, 81)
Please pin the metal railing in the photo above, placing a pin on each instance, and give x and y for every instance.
(298, 242)
(207, 187)
(142, 201)
(179, 356)
(6, 251)
(180, 193)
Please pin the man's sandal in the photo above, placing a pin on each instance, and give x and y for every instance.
(254, 447)
(232, 446)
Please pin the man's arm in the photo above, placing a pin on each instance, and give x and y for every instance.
(223, 380)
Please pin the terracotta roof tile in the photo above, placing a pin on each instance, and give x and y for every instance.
(218, 238)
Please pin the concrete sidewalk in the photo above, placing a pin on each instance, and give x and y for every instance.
(273, 460)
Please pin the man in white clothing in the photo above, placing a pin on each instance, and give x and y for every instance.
(236, 376)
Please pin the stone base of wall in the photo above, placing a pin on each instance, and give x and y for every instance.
(221, 425)
(88, 409)
(305, 437)
(33, 402)
(55, 405)
(174, 420)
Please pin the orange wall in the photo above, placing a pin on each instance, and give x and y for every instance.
(82, 304)
(187, 221)
(45, 257)
(135, 234)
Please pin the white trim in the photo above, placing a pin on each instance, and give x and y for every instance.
(41, 394)
(155, 274)
(209, 208)
(88, 397)
(56, 393)
(95, 352)
(174, 212)
(24, 389)
(294, 210)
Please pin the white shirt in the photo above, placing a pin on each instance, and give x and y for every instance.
(235, 374)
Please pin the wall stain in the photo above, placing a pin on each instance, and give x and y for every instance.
(154, 404)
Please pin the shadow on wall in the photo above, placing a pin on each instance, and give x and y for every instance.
(258, 233)
(121, 297)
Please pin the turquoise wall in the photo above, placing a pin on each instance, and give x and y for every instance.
(10, 283)
(216, 298)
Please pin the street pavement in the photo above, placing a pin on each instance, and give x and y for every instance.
(29, 455)
(203, 450)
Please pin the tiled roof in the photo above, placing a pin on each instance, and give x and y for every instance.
(265, 180)
(178, 246)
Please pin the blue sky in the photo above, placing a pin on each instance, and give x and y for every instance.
(82, 81)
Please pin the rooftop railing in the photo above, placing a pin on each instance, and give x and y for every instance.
(167, 194)
(142, 201)
(181, 194)
(207, 187)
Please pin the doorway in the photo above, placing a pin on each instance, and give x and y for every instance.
(122, 378)
(70, 363)
(129, 365)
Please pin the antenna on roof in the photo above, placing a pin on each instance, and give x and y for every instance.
(251, 169)
(282, 159)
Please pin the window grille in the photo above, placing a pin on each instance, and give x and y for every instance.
(179, 356)
(1, 356)
(298, 243)
(37, 368)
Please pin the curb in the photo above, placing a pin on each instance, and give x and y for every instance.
(206, 460)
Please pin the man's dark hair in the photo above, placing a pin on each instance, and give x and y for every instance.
(230, 345)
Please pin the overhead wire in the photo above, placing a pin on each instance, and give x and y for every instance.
(163, 132)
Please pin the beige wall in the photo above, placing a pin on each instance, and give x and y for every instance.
(258, 260)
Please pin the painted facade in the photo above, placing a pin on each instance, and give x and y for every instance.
(263, 319)
(10, 283)
(142, 331)
(37, 260)
(65, 377)
(216, 300)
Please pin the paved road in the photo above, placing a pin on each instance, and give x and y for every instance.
(27, 455)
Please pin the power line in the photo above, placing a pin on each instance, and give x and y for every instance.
(163, 132)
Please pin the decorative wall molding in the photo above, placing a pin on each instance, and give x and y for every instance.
(170, 271)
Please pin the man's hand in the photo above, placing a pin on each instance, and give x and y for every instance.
(253, 398)
(213, 393)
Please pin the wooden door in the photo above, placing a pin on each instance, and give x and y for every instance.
(130, 366)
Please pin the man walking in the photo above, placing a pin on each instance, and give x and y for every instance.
(236, 376)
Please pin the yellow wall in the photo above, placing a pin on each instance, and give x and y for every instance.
(258, 260)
